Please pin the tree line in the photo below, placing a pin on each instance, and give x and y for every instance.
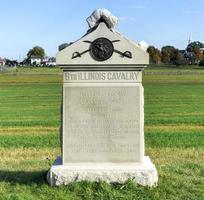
(192, 55)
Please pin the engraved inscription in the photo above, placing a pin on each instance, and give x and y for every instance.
(127, 76)
(102, 124)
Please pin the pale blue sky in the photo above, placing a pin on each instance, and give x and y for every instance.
(48, 23)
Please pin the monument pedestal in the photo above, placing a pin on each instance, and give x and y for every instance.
(144, 174)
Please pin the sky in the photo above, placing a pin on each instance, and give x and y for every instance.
(49, 23)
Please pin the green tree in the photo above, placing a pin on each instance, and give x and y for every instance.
(154, 54)
(194, 45)
(195, 50)
(168, 54)
(36, 51)
(179, 58)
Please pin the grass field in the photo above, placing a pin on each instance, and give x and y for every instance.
(29, 137)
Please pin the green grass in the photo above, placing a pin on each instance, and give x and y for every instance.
(30, 100)
(25, 141)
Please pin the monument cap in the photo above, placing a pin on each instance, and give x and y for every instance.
(102, 15)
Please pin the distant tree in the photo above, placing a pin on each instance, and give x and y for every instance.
(179, 58)
(11, 63)
(25, 62)
(154, 54)
(36, 51)
(194, 45)
(168, 54)
(195, 52)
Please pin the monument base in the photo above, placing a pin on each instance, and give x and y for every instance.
(144, 174)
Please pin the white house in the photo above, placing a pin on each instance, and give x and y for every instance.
(35, 60)
(2, 61)
(39, 61)
(51, 62)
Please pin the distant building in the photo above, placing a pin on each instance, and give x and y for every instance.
(2, 62)
(35, 60)
(39, 61)
(51, 61)
(48, 61)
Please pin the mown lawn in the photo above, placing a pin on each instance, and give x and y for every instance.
(29, 137)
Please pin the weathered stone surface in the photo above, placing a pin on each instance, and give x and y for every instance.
(103, 123)
(144, 174)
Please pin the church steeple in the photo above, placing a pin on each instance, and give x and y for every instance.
(190, 40)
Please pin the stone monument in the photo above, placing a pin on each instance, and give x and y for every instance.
(102, 109)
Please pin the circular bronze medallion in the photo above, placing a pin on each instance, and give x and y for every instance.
(101, 49)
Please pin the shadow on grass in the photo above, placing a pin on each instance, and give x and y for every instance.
(23, 177)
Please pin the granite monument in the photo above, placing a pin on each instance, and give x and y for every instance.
(102, 108)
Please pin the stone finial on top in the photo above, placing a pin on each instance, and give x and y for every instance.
(102, 15)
